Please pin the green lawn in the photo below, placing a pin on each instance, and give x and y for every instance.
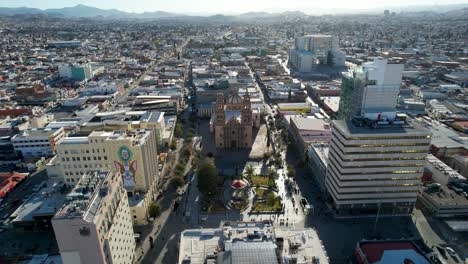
(263, 206)
(261, 180)
(261, 192)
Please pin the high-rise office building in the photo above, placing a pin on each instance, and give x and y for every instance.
(371, 90)
(94, 225)
(376, 156)
(316, 49)
(372, 167)
(77, 72)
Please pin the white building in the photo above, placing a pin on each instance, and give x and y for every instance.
(100, 88)
(94, 225)
(316, 49)
(77, 72)
(38, 142)
(251, 242)
(371, 90)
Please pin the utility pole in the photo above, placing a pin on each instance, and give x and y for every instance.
(376, 219)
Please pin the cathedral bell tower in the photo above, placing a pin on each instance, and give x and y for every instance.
(219, 111)
(246, 111)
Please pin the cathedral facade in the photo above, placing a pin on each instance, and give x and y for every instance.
(233, 122)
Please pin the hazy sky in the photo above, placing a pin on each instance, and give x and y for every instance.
(223, 6)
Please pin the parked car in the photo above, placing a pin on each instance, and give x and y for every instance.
(451, 251)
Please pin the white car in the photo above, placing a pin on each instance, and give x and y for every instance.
(451, 251)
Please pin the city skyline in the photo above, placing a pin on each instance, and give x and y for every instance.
(208, 7)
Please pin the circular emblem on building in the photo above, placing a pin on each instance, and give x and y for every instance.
(125, 154)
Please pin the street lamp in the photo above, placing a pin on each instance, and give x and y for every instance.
(376, 219)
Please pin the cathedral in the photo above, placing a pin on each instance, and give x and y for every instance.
(233, 122)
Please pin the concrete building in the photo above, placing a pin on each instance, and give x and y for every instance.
(37, 143)
(125, 119)
(306, 131)
(317, 162)
(132, 153)
(312, 50)
(445, 193)
(233, 122)
(77, 72)
(376, 168)
(95, 225)
(251, 243)
(390, 251)
(376, 157)
(371, 90)
(64, 44)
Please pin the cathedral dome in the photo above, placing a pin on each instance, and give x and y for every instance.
(234, 99)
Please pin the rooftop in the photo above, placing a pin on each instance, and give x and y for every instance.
(410, 127)
(442, 135)
(37, 132)
(85, 199)
(389, 252)
(321, 150)
(252, 242)
(42, 204)
(137, 137)
(304, 123)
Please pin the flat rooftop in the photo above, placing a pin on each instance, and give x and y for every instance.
(447, 198)
(250, 243)
(304, 123)
(85, 199)
(322, 151)
(411, 127)
(44, 203)
(442, 135)
(37, 132)
(390, 252)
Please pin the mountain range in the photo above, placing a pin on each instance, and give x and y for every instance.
(89, 12)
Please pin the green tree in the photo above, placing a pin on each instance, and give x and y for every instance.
(178, 131)
(177, 181)
(271, 174)
(179, 169)
(249, 171)
(186, 151)
(174, 144)
(154, 210)
(291, 171)
(207, 176)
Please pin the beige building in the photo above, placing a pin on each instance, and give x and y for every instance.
(125, 119)
(94, 225)
(376, 170)
(233, 122)
(132, 153)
